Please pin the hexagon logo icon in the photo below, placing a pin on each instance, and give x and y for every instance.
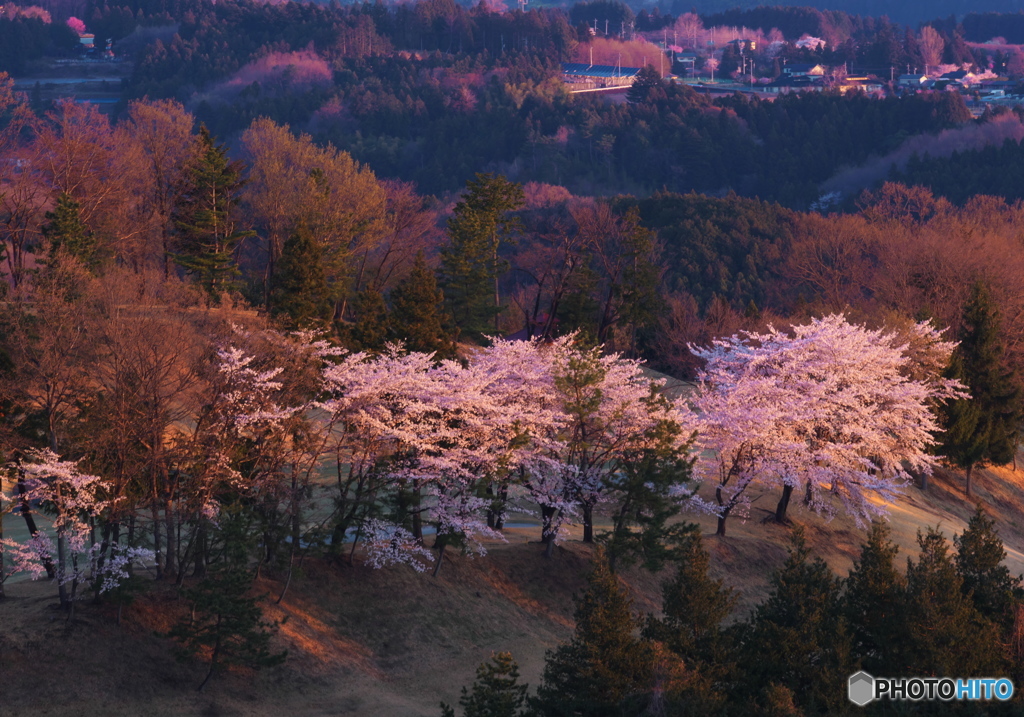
(861, 688)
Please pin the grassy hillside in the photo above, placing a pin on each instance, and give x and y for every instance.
(396, 642)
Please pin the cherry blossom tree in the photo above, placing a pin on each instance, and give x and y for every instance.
(547, 421)
(75, 500)
(841, 409)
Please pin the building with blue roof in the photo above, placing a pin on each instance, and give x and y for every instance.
(583, 76)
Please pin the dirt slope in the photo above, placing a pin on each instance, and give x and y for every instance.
(396, 642)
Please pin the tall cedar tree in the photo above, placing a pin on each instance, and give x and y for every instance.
(982, 428)
(694, 606)
(299, 290)
(207, 237)
(496, 691)
(797, 637)
(417, 313)
(605, 665)
(370, 330)
(979, 561)
(945, 634)
(875, 591)
(68, 234)
(470, 264)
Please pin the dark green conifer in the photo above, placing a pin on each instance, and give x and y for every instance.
(471, 263)
(695, 606)
(67, 233)
(417, 313)
(982, 428)
(979, 561)
(798, 637)
(642, 525)
(605, 664)
(945, 634)
(226, 621)
(299, 292)
(369, 332)
(875, 592)
(496, 691)
(207, 236)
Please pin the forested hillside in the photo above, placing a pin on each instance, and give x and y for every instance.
(351, 347)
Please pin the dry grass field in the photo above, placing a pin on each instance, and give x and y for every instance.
(397, 642)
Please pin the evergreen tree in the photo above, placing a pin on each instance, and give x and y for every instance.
(945, 634)
(67, 233)
(417, 312)
(207, 237)
(798, 638)
(645, 86)
(982, 428)
(979, 562)
(369, 332)
(875, 592)
(694, 606)
(471, 263)
(299, 287)
(496, 691)
(604, 665)
(641, 527)
(226, 621)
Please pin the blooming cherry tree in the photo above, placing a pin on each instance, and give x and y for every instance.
(73, 499)
(835, 407)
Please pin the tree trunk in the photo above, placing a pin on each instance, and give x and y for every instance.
(721, 521)
(780, 510)
(970, 469)
(30, 522)
(201, 549)
(440, 558)
(588, 523)
(499, 520)
(548, 534)
(492, 514)
(417, 519)
(158, 557)
(213, 660)
(62, 589)
(171, 553)
(924, 480)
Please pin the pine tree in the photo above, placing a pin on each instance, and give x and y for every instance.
(694, 606)
(496, 691)
(605, 664)
(945, 634)
(642, 526)
(979, 562)
(645, 86)
(227, 623)
(417, 313)
(68, 234)
(369, 332)
(798, 638)
(207, 237)
(982, 428)
(471, 263)
(299, 287)
(875, 592)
